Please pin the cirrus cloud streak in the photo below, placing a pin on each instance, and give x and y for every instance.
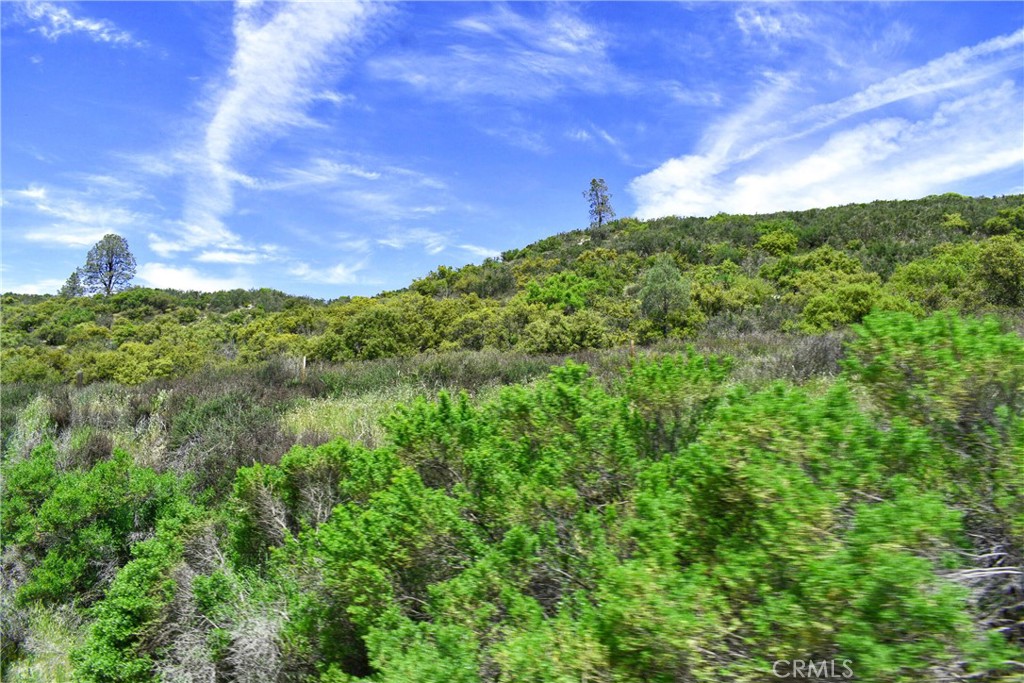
(761, 160)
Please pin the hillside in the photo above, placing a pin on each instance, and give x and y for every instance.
(628, 282)
(667, 450)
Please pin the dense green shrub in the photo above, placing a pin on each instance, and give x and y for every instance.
(778, 242)
(946, 373)
(80, 524)
(1008, 221)
(1001, 270)
(126, 631)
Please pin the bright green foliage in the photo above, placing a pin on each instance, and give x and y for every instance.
(806, 284)
(797, 272)
(490, 279)
(965, 276)
(404, 650)
(79, 530)
(832, 287)
(84, 527)
(963, 381)
(271, 504)
(573, 652)
(671, 399)
(565, 291)
(1009, 221)
(945, 280)
(438, 282)
(128, 620)
(557, 333)
(759, 507)
(725, 290)
(839, 306)
(607, 269)
(954, 221)
(379, 332)
(32, 365)
(778, 242)
(26, 486)
(945, 373)
(668, 528)
(1001, 270)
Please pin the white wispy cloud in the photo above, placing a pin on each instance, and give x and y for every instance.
(111, 186)
(893, 158)
(760, 159)
(278, 68)
(74, 236)
(431, 241)
(511, 56)
(63, 217)
(45, 286)
(286, 59)
(520, 136)
(371, 187)
(339, 274)
(319, 172)
(235, 257)
(37, 192)
(358, 188)
(55, 20)
(962, 68)
(183, 237)
(599, 137)
(335, 98)
(243, 255)
(482, 252)
(166, 276)
(772, 22)
(332, 240)
(157, 165)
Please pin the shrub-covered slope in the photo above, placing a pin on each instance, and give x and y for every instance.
(673, 450)
(662, 522)
(626, 282)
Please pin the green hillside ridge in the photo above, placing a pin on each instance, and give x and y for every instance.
(626, 282)
(677, 450)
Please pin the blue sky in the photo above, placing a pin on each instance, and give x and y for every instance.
(336, 149)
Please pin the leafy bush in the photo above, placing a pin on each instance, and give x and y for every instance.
(1001, 270)
(946, 373)
(672, 398)
(778, 242)
(83, 530)
(1009, 221)
(126, 630)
